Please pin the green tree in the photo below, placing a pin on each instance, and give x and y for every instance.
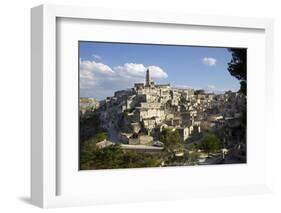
(238, 67)
(100, 136)
(107, 158)
(199, 91)
(170, 138)
(113, 157)
(210, 143)
(183, 100)
(192, 147)
(88, 148)
(90, 125)
(132, 159)
(192, 157)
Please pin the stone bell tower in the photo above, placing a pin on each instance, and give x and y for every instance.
(147, 78)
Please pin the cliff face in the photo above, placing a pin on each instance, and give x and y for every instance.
(88, 105)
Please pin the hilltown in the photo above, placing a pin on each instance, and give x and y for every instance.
(136, 117)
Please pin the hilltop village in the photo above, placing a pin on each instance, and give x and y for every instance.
(138, 119)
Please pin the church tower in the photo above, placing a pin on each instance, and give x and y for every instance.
(147, 78)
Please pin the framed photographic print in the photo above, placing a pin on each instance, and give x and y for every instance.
(148, 105)
(186, 107)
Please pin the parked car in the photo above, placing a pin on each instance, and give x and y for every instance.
(158, 143)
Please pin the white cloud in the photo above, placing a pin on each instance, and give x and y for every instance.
(138, 70)
(209, 61)
(183, 86)
(157, 72)
(131, 70)
(100, 80)
(91, 72)
(95, 67)
(211, 87)
(97, 56)
(214, 89)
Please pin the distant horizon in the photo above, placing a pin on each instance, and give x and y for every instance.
(195, 89)
(109, 67)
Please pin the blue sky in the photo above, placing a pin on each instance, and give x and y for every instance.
(107, 67)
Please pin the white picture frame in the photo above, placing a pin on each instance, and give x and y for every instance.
(44, 154)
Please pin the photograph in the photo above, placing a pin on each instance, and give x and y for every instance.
(161, 105)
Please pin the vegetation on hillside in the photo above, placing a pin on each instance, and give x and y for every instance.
(210, 143)
(90, 126)
(171, 139)
(113, 157)
(110, 157)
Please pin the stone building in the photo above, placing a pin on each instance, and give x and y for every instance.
(139, 114)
